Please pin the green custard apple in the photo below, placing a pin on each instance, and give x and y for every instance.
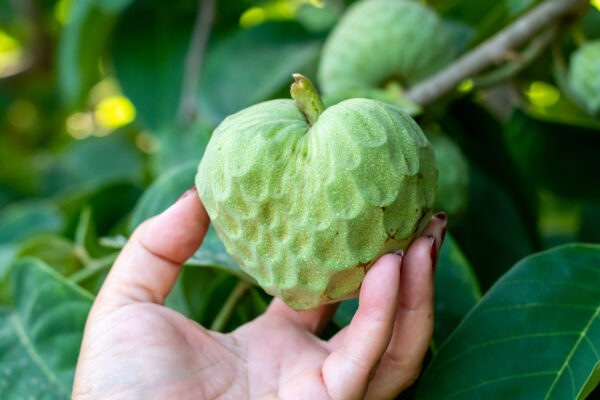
(378, 42)
(584, 76)
(306, 199)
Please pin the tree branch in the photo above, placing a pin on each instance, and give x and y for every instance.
(193, 60)
(488, 52)
(525, 58)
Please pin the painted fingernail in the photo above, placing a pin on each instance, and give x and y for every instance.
(187, 193)
(443, 233)
(433, 253)
(441, 216)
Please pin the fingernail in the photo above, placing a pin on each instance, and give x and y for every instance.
(443, 233)
(433, 252)
(441, 216)
(187, 193)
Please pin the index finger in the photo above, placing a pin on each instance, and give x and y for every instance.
(150, 262)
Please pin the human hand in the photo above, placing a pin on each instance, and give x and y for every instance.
(135, 347)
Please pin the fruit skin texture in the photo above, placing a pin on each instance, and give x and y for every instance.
(584, 75)
(306, 210)
(377, 41)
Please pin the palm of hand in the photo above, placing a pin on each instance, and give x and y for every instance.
(173, 357)
(135, 347)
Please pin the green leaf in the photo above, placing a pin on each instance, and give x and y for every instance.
(485, 16)
(110, 203)
(201, 292)
(496, 193)
(56, 251)
(8, 253)
(21, 220)
(503, 240)
(557, 157)
(456, 290)
(40, 338)
(591, 383)
(343, 315)
(533, 335)
(151, 41)
(163, 192)
(98, 160)
(81, 44)
(516, 7)
(180, 144)
(251, 65)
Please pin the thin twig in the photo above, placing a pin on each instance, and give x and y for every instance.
(526, 57)
(220, 321)
(487, 53)
(194, 59)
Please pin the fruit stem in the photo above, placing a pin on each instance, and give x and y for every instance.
(306, 97)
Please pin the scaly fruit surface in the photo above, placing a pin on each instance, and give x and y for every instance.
(305, 199)
(381, 41)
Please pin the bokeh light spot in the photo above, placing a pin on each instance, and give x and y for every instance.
(279, 10)
(80, 125)
(10, 51)
(465, 86)
(114, 112)
(542, 94)
(146, 142)
(252, 16)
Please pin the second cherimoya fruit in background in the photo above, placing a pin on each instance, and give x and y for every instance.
(378, 42)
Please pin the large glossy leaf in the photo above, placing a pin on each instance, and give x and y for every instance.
(534, 335)
(21, 220)
(456, 290)
(558, 157)
(251, 65)
(82, 42)
(151, 41)
(41, 335)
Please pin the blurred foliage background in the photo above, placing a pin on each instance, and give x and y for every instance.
(106, 107)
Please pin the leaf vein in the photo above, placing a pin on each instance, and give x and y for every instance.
(20, 331)
(570, 355)
(505, 339)
(504, 378)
